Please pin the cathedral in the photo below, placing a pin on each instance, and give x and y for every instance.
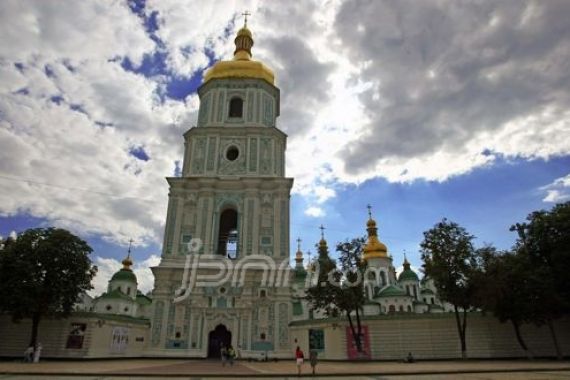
(225, 277)
(228, 223)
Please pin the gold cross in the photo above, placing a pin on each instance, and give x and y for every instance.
(322, 231)
(245, 14)
(369, 210)
(299, 244)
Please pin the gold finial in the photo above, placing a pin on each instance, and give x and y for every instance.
(127, 262)
(245, 14)
(369, 210)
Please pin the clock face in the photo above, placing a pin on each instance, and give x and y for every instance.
(232, 153)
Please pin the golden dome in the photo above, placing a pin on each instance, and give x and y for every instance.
(245, 32)
(374, 248)
(242, 66)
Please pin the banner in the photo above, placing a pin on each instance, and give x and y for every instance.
(351, 350)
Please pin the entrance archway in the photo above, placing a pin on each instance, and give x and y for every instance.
(220, 335)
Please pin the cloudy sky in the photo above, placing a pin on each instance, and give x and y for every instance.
(425, 110)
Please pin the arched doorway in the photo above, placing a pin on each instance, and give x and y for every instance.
(220, 335)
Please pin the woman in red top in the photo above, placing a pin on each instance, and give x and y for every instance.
(299, 357)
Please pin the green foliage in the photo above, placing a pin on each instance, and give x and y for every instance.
(339, 289)
(545, 239)
(544, 242)
(42, 273)
(450, 260)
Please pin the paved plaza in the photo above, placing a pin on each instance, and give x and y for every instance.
(196, 369)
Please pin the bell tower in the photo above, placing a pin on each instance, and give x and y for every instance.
(232, 197)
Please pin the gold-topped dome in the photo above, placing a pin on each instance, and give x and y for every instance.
(242, 66)
(127, 262)
(374, 248)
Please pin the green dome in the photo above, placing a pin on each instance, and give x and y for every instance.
(392, 291)
(124, 275)
(408, 275)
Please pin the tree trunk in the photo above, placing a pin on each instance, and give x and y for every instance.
(554, 339)
(521, 340)
(355, 336)
(35, 324)
(461, 330)
(359, 332)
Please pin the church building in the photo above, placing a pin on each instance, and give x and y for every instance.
(225, 279)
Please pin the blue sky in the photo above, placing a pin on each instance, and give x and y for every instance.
(424, 111)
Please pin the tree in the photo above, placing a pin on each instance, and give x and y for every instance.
(506, 286)
(339, 290)
(42, 273)
(545, 240)
(449, 259)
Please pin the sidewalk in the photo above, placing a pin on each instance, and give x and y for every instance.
(210, 368)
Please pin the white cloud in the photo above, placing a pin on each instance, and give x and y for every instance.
(315, 212)
(416, 91)
(558, 190)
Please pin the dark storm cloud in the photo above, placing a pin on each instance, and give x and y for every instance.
(443, 72)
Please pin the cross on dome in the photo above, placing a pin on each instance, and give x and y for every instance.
(245, 14)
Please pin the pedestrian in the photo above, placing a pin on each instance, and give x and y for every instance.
(299, 359)
(313, 359)
(29, 354)
(409, 358)
(231, 355)
(223, 354)
(37, 353)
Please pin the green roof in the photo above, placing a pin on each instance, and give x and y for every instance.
(391, 291)
(408, 275)
(124, 275)
(143, 300)
(115, 294)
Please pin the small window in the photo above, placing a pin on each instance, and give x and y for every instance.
(129, 291)
(108, 307)
(262, 336)
(262, 294)
(126, 309)
(236, 107)
(177, 335)
(232, 153)
(401, 308)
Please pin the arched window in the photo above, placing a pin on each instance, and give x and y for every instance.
(228, 234)
(129, 291)
(408, 289)
(383, 278)
(262, 294)
(236, 107)
(409, 308)
(401, 308)
(392, 309)
(415, 292)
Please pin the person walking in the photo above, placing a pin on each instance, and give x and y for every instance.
(29, 354)
(37, 353)
(231, 355)
(223, 354)
(299, 358)
(313, 359)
